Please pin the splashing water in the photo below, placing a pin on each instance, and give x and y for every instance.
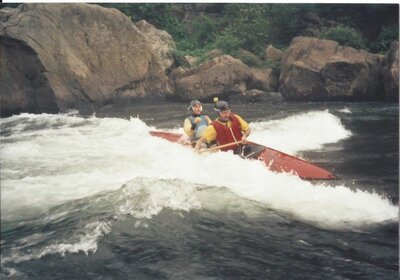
(50, 159)
(306, 131)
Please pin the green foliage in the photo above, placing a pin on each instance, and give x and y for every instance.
(158, 14)
(184, 50)
(387, 35)
(368, 19)
(344, 35)
(228, 43)
(247, 22)
(250, 59)
(204, 30)
(153, 13)
(253, 26)
(256, 25)
(283, 22)
(254, 61)
(196, 43)
(174, 27)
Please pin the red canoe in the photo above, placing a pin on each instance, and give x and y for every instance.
(273, 159)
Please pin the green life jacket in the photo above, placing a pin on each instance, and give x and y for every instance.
(199, 128)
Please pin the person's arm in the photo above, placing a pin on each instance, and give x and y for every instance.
(245, 129)
(245, 135)
(209, 135)
(200, 143)
(187, 127)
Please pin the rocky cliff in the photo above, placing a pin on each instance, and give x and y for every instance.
(314, 69)
(61, 56)
(56, 57)
(390, 73)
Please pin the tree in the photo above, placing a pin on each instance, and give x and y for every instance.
(344, 35)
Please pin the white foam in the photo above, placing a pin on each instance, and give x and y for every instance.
(306, 131)
(345, 110)
(71, 158)
(85, 240)
(335, 208)
(142, 200)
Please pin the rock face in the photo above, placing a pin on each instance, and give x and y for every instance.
(390, 73)
(189, 61)
(23, 84)
(223, 75)
(314, 69)
(162, 43)
(272, 54)
(257, 96)
(60, 56)
(264, 79)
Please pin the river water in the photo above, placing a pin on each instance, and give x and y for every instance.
(96, 197)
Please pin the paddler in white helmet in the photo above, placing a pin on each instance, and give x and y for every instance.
(227, 128)
(196, 123)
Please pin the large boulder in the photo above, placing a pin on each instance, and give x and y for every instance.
(223, 75)
(265, 79)
(177, 72)
(390, 73)
(272, 54)
(189, 61)
(257, 96)
(61, 56)
(161, 41)
(314, 69)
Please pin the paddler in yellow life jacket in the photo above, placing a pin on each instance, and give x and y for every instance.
(196, 123)
(227, 128)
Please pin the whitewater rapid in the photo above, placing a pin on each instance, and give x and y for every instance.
(48, 160)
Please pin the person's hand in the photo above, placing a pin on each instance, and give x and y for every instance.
(197, 120)
(244, 139)
(208, 119)
(199, 145)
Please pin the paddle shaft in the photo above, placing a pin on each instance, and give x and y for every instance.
(220, 147)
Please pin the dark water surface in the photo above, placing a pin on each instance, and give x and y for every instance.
(147, 227)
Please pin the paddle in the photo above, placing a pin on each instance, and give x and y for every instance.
(220, 147)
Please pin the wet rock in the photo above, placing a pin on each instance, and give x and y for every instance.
(272, 54)
(390, 73)
(223, 75)
(314, 69)
(162, 43)
(62, 56)
(257, 96)
(264, 79)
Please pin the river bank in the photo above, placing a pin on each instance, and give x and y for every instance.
(91, 56)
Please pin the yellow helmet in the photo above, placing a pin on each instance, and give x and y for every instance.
(220, 105)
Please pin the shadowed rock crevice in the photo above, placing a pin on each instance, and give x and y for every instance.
(390, 73)
(24, 85)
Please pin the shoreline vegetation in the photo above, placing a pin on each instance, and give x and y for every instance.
(198, 28)
(57, 57)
